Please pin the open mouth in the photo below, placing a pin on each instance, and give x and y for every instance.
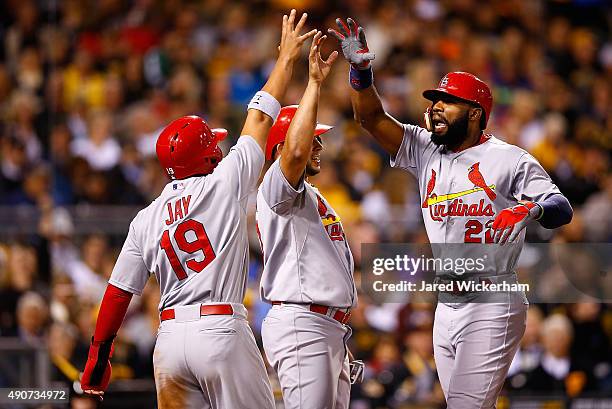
(439, 125)
(316, 159)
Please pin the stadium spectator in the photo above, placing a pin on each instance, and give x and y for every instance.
(558, 371)
(32, 316)
(85, 87)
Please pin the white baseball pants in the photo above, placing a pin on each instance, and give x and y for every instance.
(209, 362)
(474, 344)
(308, 351)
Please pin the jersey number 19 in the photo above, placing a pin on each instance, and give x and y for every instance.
(201, 243)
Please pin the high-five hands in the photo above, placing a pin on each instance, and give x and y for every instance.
(353, 42)
(318, 68)
(291, 40)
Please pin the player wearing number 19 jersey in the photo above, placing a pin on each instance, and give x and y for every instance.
(193, 238)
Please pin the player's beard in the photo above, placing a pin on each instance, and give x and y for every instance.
(456, 133)
(311, 170)
(313, 166)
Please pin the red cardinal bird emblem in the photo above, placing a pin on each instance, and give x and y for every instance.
(478, 180)
(430, 187)
(323, 210)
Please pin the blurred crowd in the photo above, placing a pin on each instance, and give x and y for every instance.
(86, 86)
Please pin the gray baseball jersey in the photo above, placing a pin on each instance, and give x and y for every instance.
(461, 194)
(193, 237)
(306, 260)
(306, 256)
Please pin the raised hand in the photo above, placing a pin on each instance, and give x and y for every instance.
(291, 40)
(353, 42)
(318, 68)
(258, 122)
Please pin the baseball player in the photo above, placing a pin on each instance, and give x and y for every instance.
(193, 237)
(474, 189)
(308, 266)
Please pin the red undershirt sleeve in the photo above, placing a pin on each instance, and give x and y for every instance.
(112, 312)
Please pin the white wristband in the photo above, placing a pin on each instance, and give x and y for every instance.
(266, 103)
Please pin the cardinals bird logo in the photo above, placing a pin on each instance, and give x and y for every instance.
(478, 180)
(430, 187)
(331, 223)
(323, 212)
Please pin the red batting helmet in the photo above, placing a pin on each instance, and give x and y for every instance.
(466, 86)
(187, 147)
(278, 132)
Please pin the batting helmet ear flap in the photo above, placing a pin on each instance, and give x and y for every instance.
(428, 120)
(220, 133)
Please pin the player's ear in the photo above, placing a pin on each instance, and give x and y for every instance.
(475, 114)
(278, 149)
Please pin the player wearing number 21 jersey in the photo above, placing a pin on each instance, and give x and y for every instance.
(478, 193)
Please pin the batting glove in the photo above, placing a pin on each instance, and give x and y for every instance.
(511, 221)
(353, 42)
(356, 371)
(97, 373)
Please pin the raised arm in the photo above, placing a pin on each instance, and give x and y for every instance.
(367, 105)
(257, 122)
(298, 144)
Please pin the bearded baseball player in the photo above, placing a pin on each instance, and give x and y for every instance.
(474, 189)
(308, 266)
(193, 237)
